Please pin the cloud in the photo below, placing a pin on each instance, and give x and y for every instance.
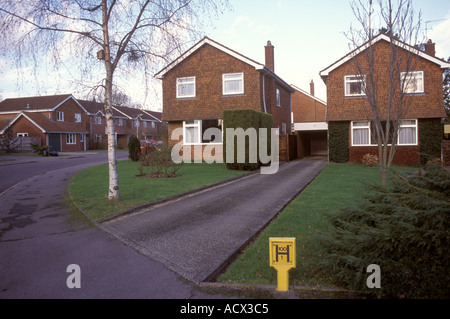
(245, 23)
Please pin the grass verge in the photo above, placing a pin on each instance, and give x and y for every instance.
(335, 187)
(88, 188)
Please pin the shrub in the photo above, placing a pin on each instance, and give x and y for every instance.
(370, 160)
(134, 148)
(338, 144)
(404, 229)
(245, 119)
(158, 163)
(37, 148)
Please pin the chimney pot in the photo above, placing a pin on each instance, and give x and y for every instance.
(270, 59)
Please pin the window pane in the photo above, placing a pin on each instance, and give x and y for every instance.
(233, 86)
(191, 135)
(186, 87)
(360, 136)
(212, 124)
(407, 135)
(362, 123)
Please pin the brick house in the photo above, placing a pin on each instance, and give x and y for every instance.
(127, 121)
(348, 110)
(308, 117)
(58, 120)
(210, 78)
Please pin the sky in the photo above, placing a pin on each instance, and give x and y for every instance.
(308, 36)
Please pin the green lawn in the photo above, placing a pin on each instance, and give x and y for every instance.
(88, 188)
(335, 187)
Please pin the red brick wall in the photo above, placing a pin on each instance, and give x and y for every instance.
(307, 109)
(23, 125)
(208, 64)
(70, 107)
(404, 155)
(427, 105)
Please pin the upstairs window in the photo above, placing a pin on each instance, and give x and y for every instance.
(186, 87)
(97, 120)
(60, 116)
(412, 82)
(354, 85)
(77, 117)
(278, 98)
(233, 83)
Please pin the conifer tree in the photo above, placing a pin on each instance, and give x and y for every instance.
(405, 229)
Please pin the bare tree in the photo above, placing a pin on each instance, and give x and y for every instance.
(129, 36)
(385, 81)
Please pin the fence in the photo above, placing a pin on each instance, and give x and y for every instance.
(20, 144)
(288, 148)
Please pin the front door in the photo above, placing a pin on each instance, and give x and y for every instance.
(54, 141)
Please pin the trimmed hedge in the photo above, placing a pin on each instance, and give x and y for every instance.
(430, 137)
(245, 119)
(338, 141)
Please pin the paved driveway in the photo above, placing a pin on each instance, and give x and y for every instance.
(197, 235)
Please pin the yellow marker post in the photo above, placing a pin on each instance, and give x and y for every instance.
(282, 258)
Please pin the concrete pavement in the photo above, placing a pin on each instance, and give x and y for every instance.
(196, 236)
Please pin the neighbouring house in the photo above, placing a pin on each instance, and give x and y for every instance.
(58, 121)
(348, 113)
(68, 124)
(309, 125)
(210, 78)
(128, 121)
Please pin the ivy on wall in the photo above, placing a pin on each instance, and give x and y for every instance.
(430, 137)
(338, 141)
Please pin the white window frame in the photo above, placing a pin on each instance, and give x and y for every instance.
(119, 122)
(60, 116)
(416, 75)
(197, 124)
(81, 138)
(77, 117)
(22, 134)
(278, 97)
(71, 138)
(190, 80)
(347, 79)
(97, 120)
(237, 77)
(401, 125)
(360, 127)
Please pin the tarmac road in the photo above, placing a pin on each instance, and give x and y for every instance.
(40, 236)
(190, 238)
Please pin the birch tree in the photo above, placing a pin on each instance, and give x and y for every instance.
(385, 84)
(103, 39)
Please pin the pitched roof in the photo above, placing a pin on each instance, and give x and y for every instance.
(46, 125)
(308, 94)
(133, 113)
(35, 103)
(221, 47)
(382, 37)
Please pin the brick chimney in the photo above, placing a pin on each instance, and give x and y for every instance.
(430, 48)
(270, 60)
(311, 87)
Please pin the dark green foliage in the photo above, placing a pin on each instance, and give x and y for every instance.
(37, 148)
(134, 148)
(338, 141)
(245, 119)
(404, 229)
(430, 139)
